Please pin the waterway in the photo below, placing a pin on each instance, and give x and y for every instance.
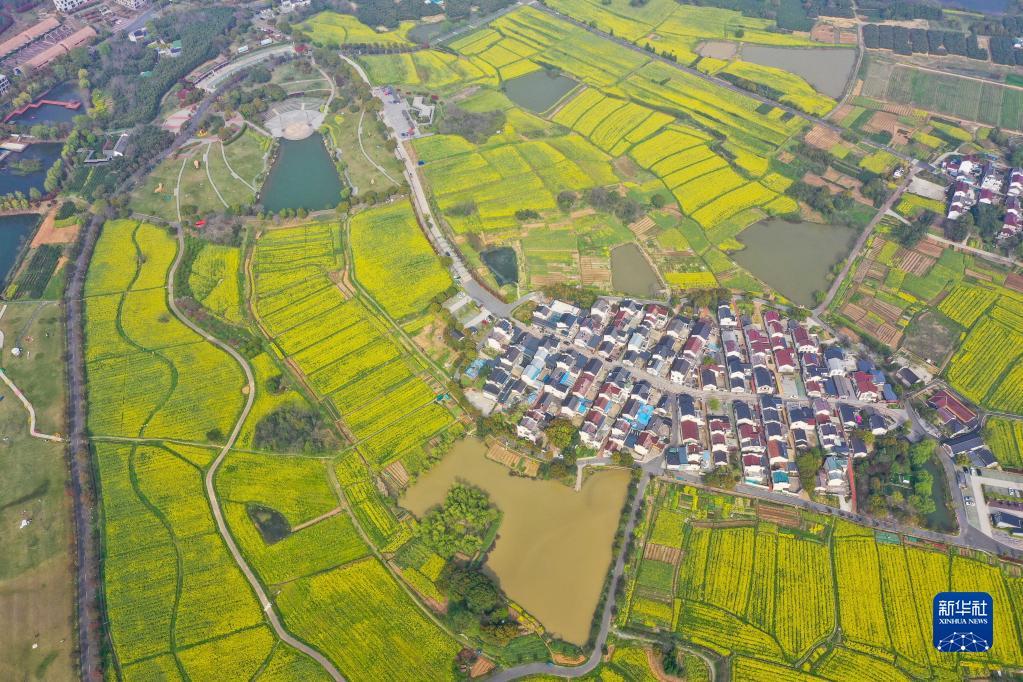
(11, 181)
(538, 91)
(631, 272)
(553, 549)
(794, 258)
(503, 263)
(50, 113)
(303, 176)
(14, 231)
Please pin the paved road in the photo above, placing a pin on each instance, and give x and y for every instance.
(867, 231)
(211, 473)
(459, 271)
(605, 619)
(995, 257)
(214, 81)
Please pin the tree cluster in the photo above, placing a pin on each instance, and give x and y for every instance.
(610, 201)
(460, 525)
(880, 478)
(820, 198)
(917, 40)
(473, 126)
(294, 429)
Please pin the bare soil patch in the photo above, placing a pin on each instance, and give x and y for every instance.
(49, 233)
(822, 137)
(717, 49)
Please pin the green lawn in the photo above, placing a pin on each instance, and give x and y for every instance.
(343, 130)
(35, 577)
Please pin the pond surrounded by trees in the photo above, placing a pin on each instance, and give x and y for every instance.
(793, 258)
(303, 176)
(23, 171)
(553, 548)
(14, 230)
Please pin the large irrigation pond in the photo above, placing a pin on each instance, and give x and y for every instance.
(14, 230)
(538, 91)
(794, 258)
(553, 548)
(827, 69)
(303, 176)
(503, 263)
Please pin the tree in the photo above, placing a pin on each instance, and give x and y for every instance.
(566, 200)
(809, 463)
(460, 524)
(472, 588)
(622, 459)
(560, 433)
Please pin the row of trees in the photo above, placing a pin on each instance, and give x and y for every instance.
(907, 41)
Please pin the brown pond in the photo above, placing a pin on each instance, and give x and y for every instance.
(554, 546)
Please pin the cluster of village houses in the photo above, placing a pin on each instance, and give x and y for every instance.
(976, 181)
(641, 379)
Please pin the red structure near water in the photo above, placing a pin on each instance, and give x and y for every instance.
(73, 105)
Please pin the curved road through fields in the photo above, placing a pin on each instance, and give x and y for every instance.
(211, 473)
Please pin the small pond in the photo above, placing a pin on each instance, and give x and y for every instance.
(538, 91)
(943, 519)
(272, 525)
(553, 547)
(52, 113)
(15, 230)
(303, 176)
(631, 272)
(503, 262)
(15, 175)
(827, 69)
(794, 258)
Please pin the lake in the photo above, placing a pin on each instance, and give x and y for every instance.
(14, 231)
(827, 69)
(303, 176)
(553, 549)
(794, 258)
(50, 113)
(538, 91)
(631, 273)
(11, 181)
(503, 262)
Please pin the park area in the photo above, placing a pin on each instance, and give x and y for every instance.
(204, 178)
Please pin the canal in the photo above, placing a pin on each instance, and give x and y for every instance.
(794, 259)
(303, 176)
(553, 549)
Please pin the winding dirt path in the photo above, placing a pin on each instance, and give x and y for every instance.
(211, 490)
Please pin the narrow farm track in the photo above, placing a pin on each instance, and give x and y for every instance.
(30, 409)
(211, 490)
(370, 159)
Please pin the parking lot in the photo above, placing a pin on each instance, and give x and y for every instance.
(397, 114)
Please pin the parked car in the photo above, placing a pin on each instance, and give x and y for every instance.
(968, 500)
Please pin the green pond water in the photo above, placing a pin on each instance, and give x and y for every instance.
(14, 231)
(794, 258)
(503, 262)
(631, 273)
(538, 91)
(553, 547)
(827, 69)
(303, 176)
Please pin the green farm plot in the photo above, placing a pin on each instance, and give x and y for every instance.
(332, 28)
(973, 100)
